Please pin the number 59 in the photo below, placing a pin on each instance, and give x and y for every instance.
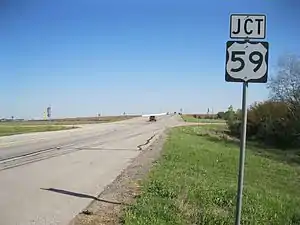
(258, 60)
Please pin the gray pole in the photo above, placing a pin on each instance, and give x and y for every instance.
(242, 156)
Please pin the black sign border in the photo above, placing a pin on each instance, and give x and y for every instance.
(263, 79)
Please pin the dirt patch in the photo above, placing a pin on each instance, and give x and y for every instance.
(124, 189)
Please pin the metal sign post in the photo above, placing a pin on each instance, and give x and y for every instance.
(242, 155)
(246, 62)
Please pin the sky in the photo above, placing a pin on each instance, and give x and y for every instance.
(84, 57)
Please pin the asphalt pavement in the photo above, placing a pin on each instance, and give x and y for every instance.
(48, 178)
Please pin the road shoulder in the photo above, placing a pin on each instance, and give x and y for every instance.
(123, 190)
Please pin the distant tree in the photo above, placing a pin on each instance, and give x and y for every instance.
(270, 122)
(221, 115)
(230, 113)
(277, 120)
(238, 113)
(285, 86)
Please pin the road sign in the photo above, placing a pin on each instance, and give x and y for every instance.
(49, 112)
(247, 26)
(247, 61)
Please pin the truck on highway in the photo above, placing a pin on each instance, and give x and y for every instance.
(152, 118)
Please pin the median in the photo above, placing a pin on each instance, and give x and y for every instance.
(12, 129)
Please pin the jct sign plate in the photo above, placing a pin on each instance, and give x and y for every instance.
(247, 61)
(247, 26)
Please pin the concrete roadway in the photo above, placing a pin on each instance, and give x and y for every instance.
(48, 178)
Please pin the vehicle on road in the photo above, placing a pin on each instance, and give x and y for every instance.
(152, 118)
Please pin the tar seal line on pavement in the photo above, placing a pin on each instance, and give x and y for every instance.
(146, 143)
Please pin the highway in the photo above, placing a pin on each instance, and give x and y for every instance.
(48, 178)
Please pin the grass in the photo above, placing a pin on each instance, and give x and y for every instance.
(93, 120)
(6, 130)
(69, 121)
(195, 182)
(20, 127)
(192, 119)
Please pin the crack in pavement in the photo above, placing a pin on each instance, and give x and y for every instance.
(147, 142)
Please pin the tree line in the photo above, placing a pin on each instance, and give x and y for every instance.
(275, 121)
